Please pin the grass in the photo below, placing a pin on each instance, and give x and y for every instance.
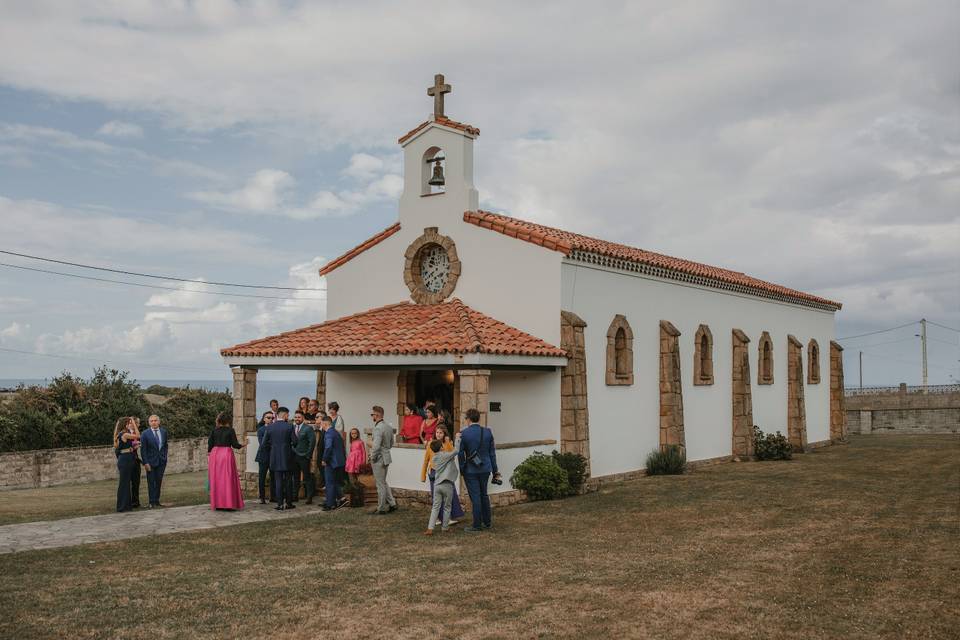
(70, 501)
(856, 541)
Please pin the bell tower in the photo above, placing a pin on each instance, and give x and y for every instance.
(437, 167)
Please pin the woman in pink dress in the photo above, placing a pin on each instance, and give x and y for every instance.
(225, 492)
(357, 457)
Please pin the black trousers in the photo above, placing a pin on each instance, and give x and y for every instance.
(302, 475)
(264, 469)
(125, 466)
(135, 481)
(282, 486)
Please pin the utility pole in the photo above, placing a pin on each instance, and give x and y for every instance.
(861, 371)
(923, 346)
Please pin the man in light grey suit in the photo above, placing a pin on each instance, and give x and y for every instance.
(380, 460)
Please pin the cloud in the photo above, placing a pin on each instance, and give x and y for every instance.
(118, 129)
(25, 142)
(14, 330)
(264, 192)
(272, 192)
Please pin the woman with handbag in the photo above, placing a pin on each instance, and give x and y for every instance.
(126, 440)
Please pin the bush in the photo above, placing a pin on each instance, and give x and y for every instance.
(771, 446)
(541, 477)
(191, 413)
(575, 466)
(669, 461)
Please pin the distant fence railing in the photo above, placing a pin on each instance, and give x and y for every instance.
(876, 391)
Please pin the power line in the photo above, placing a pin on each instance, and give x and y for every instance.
(942, 326)
(915, 363)
(871, 333)
(148, 275)
(155, 286)
(878, 344)
(128, 363)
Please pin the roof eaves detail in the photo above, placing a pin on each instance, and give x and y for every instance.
(360, 248)
(598, 259)
(458, 127)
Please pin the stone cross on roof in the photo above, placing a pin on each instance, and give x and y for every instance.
(437, 91)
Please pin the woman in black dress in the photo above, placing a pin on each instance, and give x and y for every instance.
(126, 439)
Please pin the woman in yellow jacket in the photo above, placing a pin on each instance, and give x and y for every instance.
(426, 471)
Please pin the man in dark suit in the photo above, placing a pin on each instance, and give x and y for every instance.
(278, 450)
(333, 461)
(153, 451)
(262, 461)
(304, 442)
(478, 459)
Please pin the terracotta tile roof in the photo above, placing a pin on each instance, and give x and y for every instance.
(447, 122)
(567, 242)
(360, 248)
(402, 329)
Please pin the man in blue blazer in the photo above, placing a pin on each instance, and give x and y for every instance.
(278, 450)
(478, 459)
(333, 461)
(153, 451)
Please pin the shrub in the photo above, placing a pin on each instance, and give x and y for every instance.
(669, 461)
(190, 413)
(771, 446)
(575, 466)
(541, 477)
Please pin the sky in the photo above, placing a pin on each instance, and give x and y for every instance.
(815, 144)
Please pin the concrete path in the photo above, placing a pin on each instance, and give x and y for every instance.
(51, 534)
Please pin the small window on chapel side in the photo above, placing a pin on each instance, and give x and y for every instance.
(703, 356)
(765, 366)
(619, 352)
(813, 362)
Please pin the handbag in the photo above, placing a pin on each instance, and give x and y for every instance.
(474, 457)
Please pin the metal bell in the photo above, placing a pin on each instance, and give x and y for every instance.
(436, 180)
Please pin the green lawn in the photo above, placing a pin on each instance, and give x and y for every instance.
(70, 501)
(857, 541)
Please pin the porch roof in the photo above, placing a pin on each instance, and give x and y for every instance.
(402, 334)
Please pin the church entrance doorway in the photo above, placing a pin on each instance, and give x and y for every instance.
(436, 385)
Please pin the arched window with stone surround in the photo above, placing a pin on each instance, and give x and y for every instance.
(703, 356)
(619, 352)
(765, 365)
(813, 362)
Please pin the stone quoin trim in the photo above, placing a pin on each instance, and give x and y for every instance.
(411, 267)
(742, 428)
(765, 359)
(838, 409)
(703, 356)
(574, 414)
(671, 389)
(796, 408)
(813, 362)
(619, 352)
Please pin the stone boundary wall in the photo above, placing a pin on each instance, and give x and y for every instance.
(78, 465)
(901, 411)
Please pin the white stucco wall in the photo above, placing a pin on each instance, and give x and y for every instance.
(357, 391)
(530, 405)
(624, 421)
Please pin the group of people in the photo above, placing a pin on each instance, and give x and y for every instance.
(287, 450)
(286, 456)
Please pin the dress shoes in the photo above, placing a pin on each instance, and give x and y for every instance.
(392, 508)
(326, 508)
(279, 507)
(290, 505)
(471, 530)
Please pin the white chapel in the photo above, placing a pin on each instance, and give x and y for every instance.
(562, 341)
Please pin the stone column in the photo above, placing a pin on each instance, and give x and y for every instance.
(796, 409)
(244, 411)
(474, 392)
(406, 392)
(322, 389)
(671, 393)
(838, 409)
(742, 397)
(574, 416)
